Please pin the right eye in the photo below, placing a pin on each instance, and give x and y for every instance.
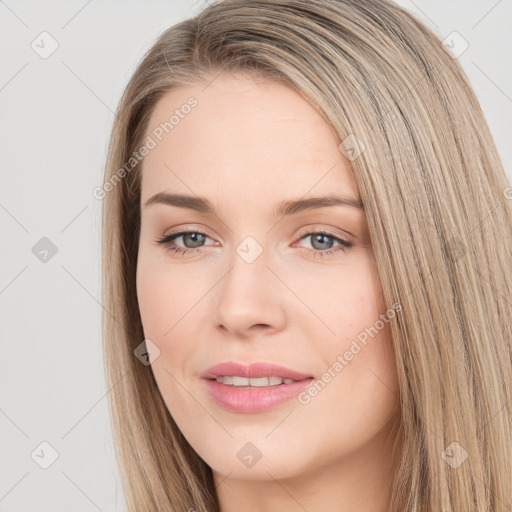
(192, 237)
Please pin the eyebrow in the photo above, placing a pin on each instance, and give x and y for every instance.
(290, 207)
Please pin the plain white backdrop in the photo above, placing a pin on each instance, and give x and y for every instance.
(56, 112)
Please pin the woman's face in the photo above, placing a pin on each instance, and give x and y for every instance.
(299, 290)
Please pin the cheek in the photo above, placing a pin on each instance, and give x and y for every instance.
(165, 297)
(359, 353)
(346, 299)
(165, 294)
(174, 317)
(154, 300)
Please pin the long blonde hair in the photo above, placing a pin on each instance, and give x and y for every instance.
(438, 207)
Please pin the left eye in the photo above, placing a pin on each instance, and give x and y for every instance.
(320, 239)
(197, 238)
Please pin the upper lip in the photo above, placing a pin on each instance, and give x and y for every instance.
(252, 370)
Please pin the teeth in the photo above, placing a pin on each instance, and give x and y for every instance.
(253, 382)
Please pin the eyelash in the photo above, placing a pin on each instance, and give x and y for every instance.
(168, 242)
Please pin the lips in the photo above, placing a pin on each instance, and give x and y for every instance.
(253, 370)
(227, 382)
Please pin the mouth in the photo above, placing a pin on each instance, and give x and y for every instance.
(255, 382)
(255, 388)
(254, 371)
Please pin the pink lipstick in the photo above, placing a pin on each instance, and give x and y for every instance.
(255, 388)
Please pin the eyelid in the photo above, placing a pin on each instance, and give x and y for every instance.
(181, 230)
(331, 231)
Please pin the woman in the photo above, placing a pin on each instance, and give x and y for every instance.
(307, 243)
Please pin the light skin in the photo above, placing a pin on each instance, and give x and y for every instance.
(247, 146)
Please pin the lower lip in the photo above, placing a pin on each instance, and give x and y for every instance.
(254, 399)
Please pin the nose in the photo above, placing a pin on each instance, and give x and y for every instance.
(249, 298)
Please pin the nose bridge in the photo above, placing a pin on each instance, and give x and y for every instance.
(248, 272)
(248, 294)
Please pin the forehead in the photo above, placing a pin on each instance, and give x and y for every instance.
(247, 139)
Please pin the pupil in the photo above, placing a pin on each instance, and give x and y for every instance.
(321, 239)
(196, 238)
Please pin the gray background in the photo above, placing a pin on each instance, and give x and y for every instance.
(55, 118)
